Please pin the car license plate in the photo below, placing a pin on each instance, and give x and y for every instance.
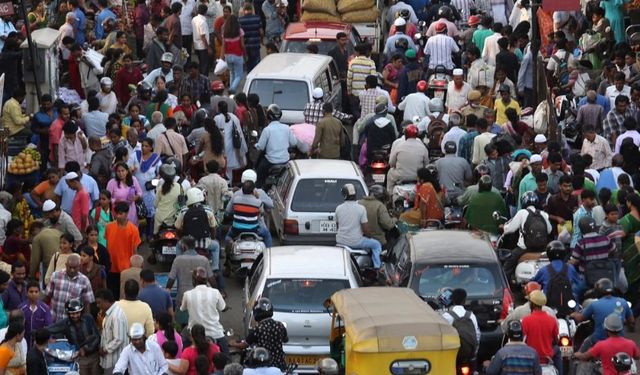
(439, 94)
(328, 226)
(302, 360)
(379, 178)
(168, 250)
(566, 351)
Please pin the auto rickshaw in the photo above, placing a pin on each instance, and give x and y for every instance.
(377, 330)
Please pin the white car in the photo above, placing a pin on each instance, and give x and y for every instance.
(297, 280)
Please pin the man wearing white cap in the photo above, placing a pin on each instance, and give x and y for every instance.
(539, 144)
(313, 111)
(166, 62)
(60, 220)
(108, 100)
(457, 91)
(391, 47)
(528, 182)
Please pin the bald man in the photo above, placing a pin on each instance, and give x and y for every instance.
(132, 273)
(68, 284)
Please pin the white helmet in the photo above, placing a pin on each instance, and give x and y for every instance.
(136, 331)
(194, 195)
(249, 175)
(318, 93)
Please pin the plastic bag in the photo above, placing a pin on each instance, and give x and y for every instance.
(221, 67)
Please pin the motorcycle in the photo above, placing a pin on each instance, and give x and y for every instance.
(246, 248)
(438, 82)
(165, 244)
(403, 196)
(61, 357)
(379, 165)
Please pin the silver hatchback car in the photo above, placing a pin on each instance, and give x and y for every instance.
(297, 280)
(305, 198)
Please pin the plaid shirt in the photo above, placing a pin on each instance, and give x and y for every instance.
(368, 101)
(195, 87)
(613, 123)
(61, 289)
(313, 113)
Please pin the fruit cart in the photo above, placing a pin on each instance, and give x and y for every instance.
(23, 169)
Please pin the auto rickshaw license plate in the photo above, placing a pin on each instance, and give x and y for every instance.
(566, 351)
(302, 360)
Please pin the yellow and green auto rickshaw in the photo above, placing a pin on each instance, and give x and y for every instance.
(377, 331)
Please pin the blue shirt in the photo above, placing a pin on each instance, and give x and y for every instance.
(274, 26)
(67, 194)
(600, 99)
(495, 129)
(104, 14)
(579, 214)
(79, 25)
(275, 141)
(390, 46)
(95, 123)
(543, 277)
(157, 298)
(599, 309)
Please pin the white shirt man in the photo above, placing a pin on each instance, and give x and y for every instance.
(516, 224)
(204, 305)
(457, 97)
(613, 92)
(439, 49)
(491, 48)
(188, 8)
(454, 135)
(200, 27)
(5, 216)
(416, 104)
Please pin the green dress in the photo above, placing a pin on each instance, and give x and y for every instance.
(630, 256)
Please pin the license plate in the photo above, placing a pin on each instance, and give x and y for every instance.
(566, 351)
(302, 360)
(327, 226)
(439, 94)
(378, 177)
(168, 250)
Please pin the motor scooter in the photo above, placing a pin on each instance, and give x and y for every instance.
(379, 164)
(438, 82)
(247, 246)
(61, 357)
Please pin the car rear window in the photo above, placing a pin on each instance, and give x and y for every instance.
(288, 94)
(301, 295)
(480, 281)
(321, 194)
(300, 46)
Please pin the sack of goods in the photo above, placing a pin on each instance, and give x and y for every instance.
(346, 6)
(358, 16)
(319, 16)
(320, 6)
(351, 11)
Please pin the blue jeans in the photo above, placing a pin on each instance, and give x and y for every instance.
(236, 70)
(376, 249)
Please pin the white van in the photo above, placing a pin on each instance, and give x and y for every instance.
(288, 79)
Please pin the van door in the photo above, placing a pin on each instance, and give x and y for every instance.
(334, 80)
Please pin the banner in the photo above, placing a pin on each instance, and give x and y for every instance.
(557, 5)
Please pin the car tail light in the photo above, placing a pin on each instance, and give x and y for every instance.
(168, 235)
(507, 303)
(565, 341)
(291, 227)
(465, 370)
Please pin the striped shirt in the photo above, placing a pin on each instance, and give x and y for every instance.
(246, 212)
(114, 336)
(592, 247)
(515, 358)
(359, 68)
(439, 49)
(251, 25)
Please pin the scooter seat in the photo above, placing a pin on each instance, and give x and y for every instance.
(529, 257)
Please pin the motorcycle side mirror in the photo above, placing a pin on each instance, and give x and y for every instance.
(503, 254)
(417, 36)
(496, 215)
(254, 134)
(572, 304)
(422, 24)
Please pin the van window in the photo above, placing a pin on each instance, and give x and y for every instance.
(288, 94)
(326, 79)
(334, 70)
(284, 184)
(322, 83)
(321, 194)
(255, 277)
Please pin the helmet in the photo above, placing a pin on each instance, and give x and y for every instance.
(528, 199)
(74, 305)
(194, 195)
(144, 88)
(318, 93)
(200, 116)
(168, 172)
(480, 171)
(402, 44)
(249, 175)
(432, 169)
(274, 113)
(514, 330)
(587, 225)
(177, 164)
(556, 250)
(378, 192)
(263, 309)
(436, 105)
(445, 12)
(136, 331)
(404, 13)
(444, 297)
(422, 86)
(411, 131)
(260, 357)
(217, 86)
(622, 362)
(348, 191)
(604, 286)
(531, 286)
(327, 366)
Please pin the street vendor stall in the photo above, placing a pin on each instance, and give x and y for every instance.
(45, 63)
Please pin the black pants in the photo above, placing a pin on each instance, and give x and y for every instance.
(113, 283)
(139, 48)
(263, 170)
(187, 42)
(203, 60)
(511, 263)
(253, 57)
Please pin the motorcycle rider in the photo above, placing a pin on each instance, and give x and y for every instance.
(528, 201)
(379, 132)
(406, 158)
(275, 140)
(260, 363)
(446, 15)
(353, 227)
(600, 309)
(454, 171)
(141, 356)
(327, 366)
(410, 29)
(615, 351)
(416, 104)
(557, 253)
(541, 330)
(198, 221)
(515, 356)
(440, 48)
(524, 310)
(269, 334)
(247, 205)
(436, 107)
(481, 206)
(377, 214)
(166, 62)
(409, 75)
(81, 330)
(391, 46)
(142, 97)
(471, 190)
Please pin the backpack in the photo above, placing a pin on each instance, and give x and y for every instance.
(435, 132)
(467, 332)
(595, 270)
(534, 231)
(562, 68)
(196, 223)
(559, 290)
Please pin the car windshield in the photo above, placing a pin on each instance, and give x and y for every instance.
(301, 295)
(480, 281)
(300, 46)
(289, 95)
(321, 195)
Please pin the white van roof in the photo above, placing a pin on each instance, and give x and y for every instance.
(289, 65)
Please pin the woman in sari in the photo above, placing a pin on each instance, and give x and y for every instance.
(160, 104)
(630, 257)
(429, 201)
(13, 358)
(149, 169)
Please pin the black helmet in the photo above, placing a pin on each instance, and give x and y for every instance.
(378, 192)
(177, 164)
(587, 225)
(274, 113)
(529, 199)
(199, 117)
(480, 171)
(260, 357)
(604, 286)
(514, 330)
(74, 305)
(144, 88)
(348, 191)
(445, 12)
(432, 169)
(263, 309)
(402, 44)
(556, 250)
(404, 13)
(444, 297)
(622, 362)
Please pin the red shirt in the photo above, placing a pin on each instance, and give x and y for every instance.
(55, 133)
(540, 331)
(606, 349)
(191, 353)
(123, 79)
(81, 207)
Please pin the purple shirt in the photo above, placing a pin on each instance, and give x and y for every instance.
(35, 319)
(12, 298)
